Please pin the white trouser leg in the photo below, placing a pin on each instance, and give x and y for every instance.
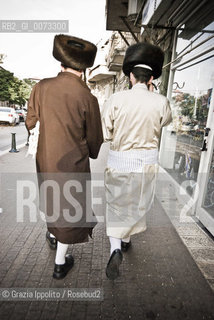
(115, 244)
(126, 239)
(61, 252)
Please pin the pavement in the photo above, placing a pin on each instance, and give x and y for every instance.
(5, 134)
(168, 273)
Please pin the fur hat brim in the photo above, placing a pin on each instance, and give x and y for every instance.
(74, 52)
(144, 53)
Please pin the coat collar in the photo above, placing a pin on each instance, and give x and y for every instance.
(73, 76)
(140, 86)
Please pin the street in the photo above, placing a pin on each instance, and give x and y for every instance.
(159, 277)
(5, 135)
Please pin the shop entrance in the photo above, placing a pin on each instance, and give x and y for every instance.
(187, 146)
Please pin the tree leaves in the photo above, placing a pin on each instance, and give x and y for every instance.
(14, 90)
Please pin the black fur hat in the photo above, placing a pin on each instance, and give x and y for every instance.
(74, 52)
(144, 53)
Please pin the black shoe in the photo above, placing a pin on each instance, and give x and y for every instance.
(112, 269)
(125, 245)
(60, 270)
(51, 241)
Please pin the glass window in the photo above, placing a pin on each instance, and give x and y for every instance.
(5, 110)
(190, 101)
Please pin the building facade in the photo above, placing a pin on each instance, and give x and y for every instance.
(106, 77)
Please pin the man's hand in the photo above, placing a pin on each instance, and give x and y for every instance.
(151, 87)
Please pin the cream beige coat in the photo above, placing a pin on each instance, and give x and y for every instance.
(132, 120)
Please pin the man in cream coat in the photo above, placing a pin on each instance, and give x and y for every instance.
(132, 122)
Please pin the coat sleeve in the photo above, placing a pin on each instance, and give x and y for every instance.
(166, 114)
(94, 135)
(107, 120)
(33, 108)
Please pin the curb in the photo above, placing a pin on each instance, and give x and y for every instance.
(2, 153)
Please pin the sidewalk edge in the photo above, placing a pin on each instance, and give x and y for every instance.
(20, 146)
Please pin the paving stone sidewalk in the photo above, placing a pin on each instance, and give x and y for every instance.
(159, 279)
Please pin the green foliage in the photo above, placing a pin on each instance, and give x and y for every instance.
(202, 109)
(2, 56)
(14, 90)
(29, 82)
(194, 108)
(187, 105)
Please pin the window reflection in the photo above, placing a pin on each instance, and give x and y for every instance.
(191, 95)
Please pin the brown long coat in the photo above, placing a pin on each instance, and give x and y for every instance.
(70, 133)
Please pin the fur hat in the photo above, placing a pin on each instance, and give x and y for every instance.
(144, 53)
(74, 52)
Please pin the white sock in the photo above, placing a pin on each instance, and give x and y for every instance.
(52, 236)
(126, 239)
(61, 252)
(115, 244)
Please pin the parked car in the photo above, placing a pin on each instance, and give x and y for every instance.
(187, 126)
(22, 114)
(9, 115)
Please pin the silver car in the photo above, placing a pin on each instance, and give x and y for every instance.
(9, 115)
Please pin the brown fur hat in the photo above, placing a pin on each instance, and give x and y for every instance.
(74, 52)
(144, 53)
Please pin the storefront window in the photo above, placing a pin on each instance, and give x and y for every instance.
(190, 101)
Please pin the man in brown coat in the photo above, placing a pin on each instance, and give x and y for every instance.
(70, 133)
